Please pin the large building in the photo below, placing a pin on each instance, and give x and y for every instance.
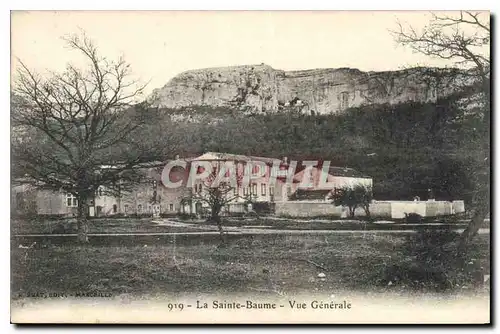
(317, 183)
(270, 184)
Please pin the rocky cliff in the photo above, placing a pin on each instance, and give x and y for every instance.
(260, 88)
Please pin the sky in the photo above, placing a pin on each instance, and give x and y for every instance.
(159, 45)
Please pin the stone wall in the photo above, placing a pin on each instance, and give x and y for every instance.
(438, 208)
(307, 209)
(399, 209)
(458, 206)
(387, 209)
(381, 209)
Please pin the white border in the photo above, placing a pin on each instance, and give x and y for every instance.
(180, 5)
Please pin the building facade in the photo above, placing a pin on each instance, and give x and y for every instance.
(266, 183)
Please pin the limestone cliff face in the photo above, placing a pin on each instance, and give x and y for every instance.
(260, 88)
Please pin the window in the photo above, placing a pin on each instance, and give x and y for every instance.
(71, 201)
(263, 189)
(344, 100)
(171, 207)
(235, 191)
(126, 208)
(139, 208)
(254, 189)
(115, 208)
(271, 191)
(100, 192)
(245, 191)
(150, 209)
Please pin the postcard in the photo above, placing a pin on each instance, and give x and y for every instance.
(235, 167)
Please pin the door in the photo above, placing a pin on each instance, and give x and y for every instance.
(197, 208)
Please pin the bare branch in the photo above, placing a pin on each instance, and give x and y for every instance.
(73, 123)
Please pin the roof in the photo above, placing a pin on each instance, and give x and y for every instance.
(211, 156)
(346, 172)
(317, 173)
(310, 194)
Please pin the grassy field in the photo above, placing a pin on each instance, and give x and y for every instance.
(276, 264)
(102, 225)
(323, 224)
(146, 225)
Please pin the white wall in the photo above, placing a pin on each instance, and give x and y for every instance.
(398, 209)
(389, 209)
(307, 209)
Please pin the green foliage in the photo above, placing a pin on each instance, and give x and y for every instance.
(353, 197)
(406, 148)
(431, 262)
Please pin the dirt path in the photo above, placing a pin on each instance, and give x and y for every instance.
(246, 231)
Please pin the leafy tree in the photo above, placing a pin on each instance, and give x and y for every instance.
(353, 197)
(81, 129)
(464, 39)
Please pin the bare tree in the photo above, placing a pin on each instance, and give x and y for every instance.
(216, 197)
(464, 39)
(78, 130)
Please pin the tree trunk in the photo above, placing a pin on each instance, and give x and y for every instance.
(351, 212)
(472, 229)
(215, 217)
(221, 230)
(481, 206)
(82, 220)
(367, 211)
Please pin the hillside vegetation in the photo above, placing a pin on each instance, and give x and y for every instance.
(406, 148)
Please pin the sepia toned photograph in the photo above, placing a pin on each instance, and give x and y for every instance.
(250, 167)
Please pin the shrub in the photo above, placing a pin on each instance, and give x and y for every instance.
(168, 215)
(353, 197)
(264, 207)
(413, 218)
(138, 215)
(186, 216)
(431, 262)
(64, 227)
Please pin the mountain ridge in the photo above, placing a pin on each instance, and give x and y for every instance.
(261, 88)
